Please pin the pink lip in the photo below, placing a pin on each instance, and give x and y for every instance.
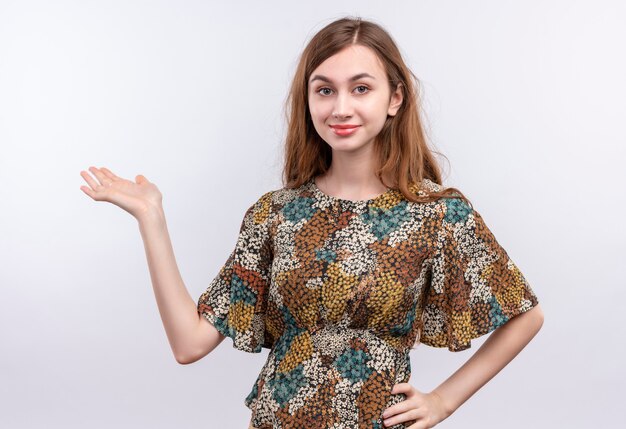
(344, 126)
(344, 130)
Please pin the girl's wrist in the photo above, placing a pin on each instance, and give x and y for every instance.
(151, 215)
(446, 408)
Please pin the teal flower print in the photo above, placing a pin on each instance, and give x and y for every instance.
(457, 210)
(352, 365)
(241, 291)
(283, 344)
(286, 384)
(384, 221)
(298, 209)
(291, 331)
(328, 255)
(404, 328)
(222, 325)
(496, 315)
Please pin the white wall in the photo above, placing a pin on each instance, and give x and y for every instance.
(526, 99)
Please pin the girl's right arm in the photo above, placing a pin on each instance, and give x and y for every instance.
(190, 335)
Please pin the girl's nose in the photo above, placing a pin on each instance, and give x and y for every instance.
(342, 108)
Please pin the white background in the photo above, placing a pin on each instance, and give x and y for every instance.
(526, 99)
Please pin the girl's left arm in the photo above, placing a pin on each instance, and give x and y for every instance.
(496, 352)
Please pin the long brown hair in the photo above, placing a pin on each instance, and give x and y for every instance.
(401, 148)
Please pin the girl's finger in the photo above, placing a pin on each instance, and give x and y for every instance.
(87, 190)
(401, 388)
(410, 417)
(100, 176)
(109, 173)
(89, 180)
(398, 408)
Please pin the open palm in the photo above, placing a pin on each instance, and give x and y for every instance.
(137, 198)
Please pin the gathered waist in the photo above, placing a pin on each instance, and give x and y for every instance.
(331, 376)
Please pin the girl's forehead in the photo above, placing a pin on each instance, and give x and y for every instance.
(352, 60)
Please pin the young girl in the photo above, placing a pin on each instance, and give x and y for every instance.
(361, 255)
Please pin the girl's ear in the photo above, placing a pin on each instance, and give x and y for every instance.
(396, 101)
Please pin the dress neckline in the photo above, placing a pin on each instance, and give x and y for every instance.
(344, 201)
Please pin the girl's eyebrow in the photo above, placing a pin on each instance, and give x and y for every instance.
(353, 78)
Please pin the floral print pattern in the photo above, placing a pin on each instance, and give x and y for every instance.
(340, 291)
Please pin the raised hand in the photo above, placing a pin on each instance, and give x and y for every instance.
(139, 198)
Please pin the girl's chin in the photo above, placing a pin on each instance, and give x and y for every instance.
(345, 146)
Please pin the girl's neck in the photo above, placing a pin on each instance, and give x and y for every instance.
(350, 184)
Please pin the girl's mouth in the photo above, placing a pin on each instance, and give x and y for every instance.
(344, 130)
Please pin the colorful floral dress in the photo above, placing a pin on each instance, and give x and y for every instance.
(340, 291)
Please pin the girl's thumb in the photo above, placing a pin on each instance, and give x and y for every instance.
(140, 179)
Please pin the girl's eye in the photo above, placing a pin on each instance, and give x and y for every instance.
(363, 91)
(324, 89)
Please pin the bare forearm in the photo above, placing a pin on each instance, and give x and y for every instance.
(177, 309)
(496, 352)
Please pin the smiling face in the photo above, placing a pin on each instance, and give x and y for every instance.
(350, 98)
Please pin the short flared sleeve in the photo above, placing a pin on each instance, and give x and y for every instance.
(474, 287)
(235, 301)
